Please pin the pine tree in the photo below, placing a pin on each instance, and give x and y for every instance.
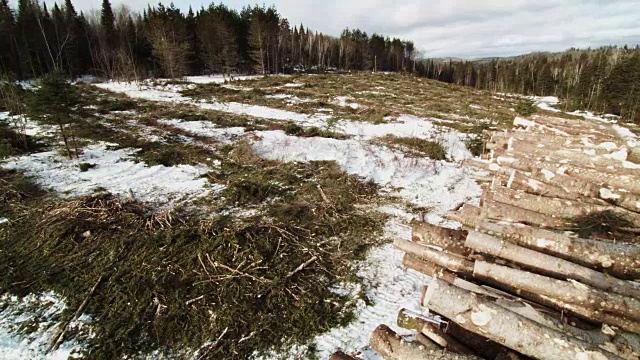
(56, 102)
(8, 42)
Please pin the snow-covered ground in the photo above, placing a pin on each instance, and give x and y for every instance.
(38, 313)
(436, 185)
(116, 172)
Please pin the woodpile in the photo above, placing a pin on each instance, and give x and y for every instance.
(545, 267)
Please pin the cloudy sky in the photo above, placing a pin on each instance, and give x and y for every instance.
(458, 28)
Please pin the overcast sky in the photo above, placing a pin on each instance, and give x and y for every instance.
(458, 28)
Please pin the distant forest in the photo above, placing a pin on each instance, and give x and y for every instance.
(165, 42)
(605, 80)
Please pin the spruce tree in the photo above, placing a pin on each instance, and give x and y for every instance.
(8, 42)
(107, 21)
(56, 102)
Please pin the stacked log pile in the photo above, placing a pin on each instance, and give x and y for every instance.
(516, 281)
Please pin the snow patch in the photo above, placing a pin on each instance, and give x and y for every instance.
(438, 185)
(205, 128)
(40, 310)
(115, 172)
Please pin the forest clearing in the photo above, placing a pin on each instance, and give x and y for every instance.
(254, 218)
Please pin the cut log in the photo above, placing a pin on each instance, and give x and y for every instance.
(570, 184)
(505, 212)
(392, 347)
(620, 260)
(548, 264)
(432, 331)
(441, 258)
(560, 208)
(514, 331)
(567, 291)
(622, 199)
(620, 343)
(446, 239)
(339, 355)
(517, 180)
(468, 215)
(418, 264)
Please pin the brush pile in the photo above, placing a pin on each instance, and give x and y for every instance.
(546, 266)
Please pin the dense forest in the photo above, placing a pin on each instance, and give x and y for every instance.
(163, 41)
(605, 80)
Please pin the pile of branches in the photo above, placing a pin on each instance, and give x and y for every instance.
(545, 267)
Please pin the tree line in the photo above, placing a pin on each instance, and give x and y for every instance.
(603, 80)
(164, 41)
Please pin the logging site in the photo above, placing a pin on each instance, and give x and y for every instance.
(216, 183)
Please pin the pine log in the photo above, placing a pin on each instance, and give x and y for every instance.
(545, 205)
(432, 331)
(619, 260)
(573, 292)
(548, 264)
(339, 355)
(447, 239)
(505, 327)
(517, 180)
(420, 265)
(618, 342)
(441, 258)
(568, 183)
(505, 212)
(486, 165)
(622, 199)
(392, 347)
(468, 215)
(625, 179)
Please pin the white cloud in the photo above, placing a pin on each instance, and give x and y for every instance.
(462, 28)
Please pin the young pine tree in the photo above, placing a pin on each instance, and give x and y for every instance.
(56, 102)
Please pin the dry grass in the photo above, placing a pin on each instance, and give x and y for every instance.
(415, 146)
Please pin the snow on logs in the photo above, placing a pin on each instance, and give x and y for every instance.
(515, 281)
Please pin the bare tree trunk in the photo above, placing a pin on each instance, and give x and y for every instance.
(64, 139)
(514, 331)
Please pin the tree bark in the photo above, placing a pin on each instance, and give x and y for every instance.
(392, 347)
(440, 258)
(468, 215)
(620, 260)
(567, 291)
(339, 355)
(432, 331)
(505, 327)
(547, 264)
(447, 239)
(505, 212)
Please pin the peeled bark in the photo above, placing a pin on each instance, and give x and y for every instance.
(573, 292)
(548, 264)
(505, 327)
(620, 260)
(447, 239)
(392, 347)
(441, 258)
